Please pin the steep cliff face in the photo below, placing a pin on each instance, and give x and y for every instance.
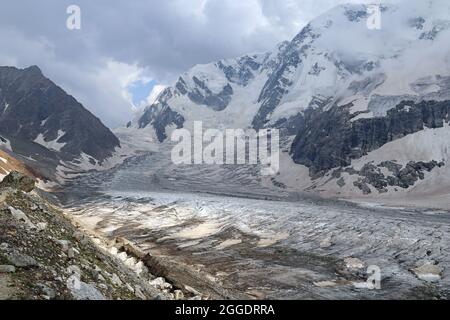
(330, 139)
(338, 91)
(43, 125)
(160, 116)
(35, 110)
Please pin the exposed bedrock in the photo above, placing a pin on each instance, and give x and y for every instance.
(33, 109)
(329, 139)
(396, 175)
(161, 120)
(201, 94)
(160, 115)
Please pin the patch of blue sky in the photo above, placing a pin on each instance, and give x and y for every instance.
(140, 90)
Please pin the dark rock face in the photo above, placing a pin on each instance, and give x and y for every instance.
(417, 23)
(278, 83)
(400, 176)
(203, 95)
(289, 126)
(431, 35)
(323, 141)
(31, 104)
(241, 74)
(160, 116)
(329, 139)
(16, 180)
(355, 15)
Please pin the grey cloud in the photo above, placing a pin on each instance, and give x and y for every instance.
(161, 39)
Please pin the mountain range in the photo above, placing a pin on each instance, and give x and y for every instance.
(360, 111)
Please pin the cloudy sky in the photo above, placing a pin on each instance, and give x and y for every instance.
(126, 51)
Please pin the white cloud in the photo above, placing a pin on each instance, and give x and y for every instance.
(124, 41)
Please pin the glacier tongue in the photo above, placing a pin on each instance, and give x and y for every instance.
(304, 245)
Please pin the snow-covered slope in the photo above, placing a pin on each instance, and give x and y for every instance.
(222, 95)
(338, 91)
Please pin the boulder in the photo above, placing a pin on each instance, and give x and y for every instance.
(178, 295)
(41, 226)
(48, 292)
(85, 291)
(7, 269)
(353, 263)
(71, 253)
(428, 272)
(19, 181)
(21, 260)
(65, 245)
(158, 283)
(21, 216)
(326, 243)
(116, 280)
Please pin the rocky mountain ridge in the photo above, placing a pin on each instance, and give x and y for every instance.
(339, 92)
(44, 127)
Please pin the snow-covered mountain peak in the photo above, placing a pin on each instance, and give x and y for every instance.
(337, 91)
(344, 95)
(336, 58)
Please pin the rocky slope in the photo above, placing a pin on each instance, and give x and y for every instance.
(47, 254)
(344, 97)
(8, 164)
(44, 255)
(44, 127)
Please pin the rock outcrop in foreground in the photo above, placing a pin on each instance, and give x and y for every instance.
(44, 256)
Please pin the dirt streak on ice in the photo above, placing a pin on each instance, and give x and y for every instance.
(278, 249)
